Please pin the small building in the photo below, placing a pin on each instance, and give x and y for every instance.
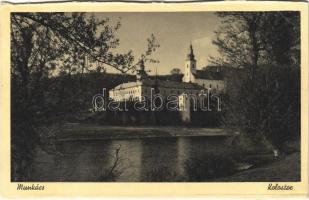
(184, 107)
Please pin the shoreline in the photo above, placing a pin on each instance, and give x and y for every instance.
(96, 132)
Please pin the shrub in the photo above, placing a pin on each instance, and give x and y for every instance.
(208, 167)
(113, 172)
(160, 174)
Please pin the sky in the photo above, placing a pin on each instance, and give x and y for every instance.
(173, 31)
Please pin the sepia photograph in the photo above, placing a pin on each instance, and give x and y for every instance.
(155, 96)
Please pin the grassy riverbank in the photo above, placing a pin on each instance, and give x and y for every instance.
(284, 169)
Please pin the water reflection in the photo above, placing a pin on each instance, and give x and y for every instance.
(158, 153)
(87, 160)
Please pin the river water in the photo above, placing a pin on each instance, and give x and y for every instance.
(85, 161)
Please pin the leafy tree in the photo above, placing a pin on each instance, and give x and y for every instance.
(47, 44)
(263, 79)
(175, 71)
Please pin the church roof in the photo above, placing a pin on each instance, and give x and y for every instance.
(209, 73)
(161, 84)
(127, 85)
(171, 84)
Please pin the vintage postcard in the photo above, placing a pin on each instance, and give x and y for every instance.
(131, 99)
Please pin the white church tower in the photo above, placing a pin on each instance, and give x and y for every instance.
(190, 67)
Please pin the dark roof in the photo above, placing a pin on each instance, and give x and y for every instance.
(211, 73)
(161, 83)
(127, 85)
(168, 77)
(171, 84)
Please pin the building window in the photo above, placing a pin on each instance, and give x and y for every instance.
(217, 86)
(209, 85)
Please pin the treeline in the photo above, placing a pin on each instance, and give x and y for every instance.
(44, 45)
(262, 98)
(69, 97)
(163, 117)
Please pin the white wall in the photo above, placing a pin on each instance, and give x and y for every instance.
(214, 84)
(190, 66)
(125, 93)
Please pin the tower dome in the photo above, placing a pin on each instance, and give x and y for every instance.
(190, 66)
(140, 71)
(190, 55)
